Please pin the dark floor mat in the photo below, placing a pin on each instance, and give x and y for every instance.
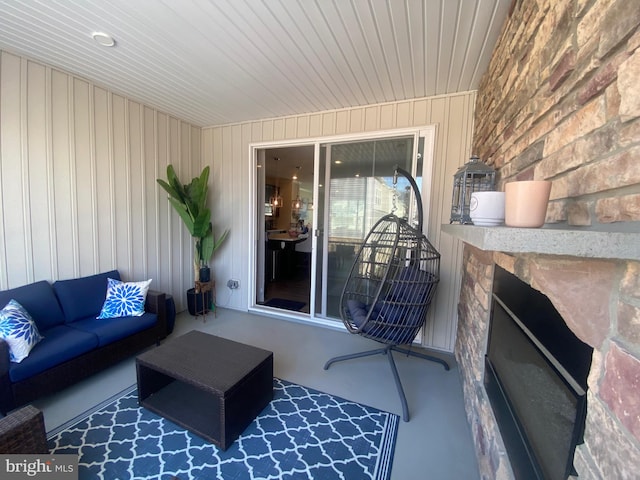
(285, 304)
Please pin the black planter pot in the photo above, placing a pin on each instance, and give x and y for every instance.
(205, 274)
(199, 303)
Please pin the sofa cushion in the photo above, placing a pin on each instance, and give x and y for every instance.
(18, 329)
(382, 312)
(83, 297)
(411, 285)
(389, 321)
(124, 299)
(113, 329)
(39, 299)
(60, 343)
(358, 312)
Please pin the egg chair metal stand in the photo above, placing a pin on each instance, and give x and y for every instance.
(389, 289)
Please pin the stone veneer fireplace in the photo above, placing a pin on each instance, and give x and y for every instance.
(560, 101)
(589, 294)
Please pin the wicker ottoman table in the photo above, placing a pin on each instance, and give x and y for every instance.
(209, 385)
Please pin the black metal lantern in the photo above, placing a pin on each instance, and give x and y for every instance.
(473, 176)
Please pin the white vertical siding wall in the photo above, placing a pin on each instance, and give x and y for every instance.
(78, 191)
(226, 149)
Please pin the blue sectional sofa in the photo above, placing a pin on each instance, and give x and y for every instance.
(76, 344)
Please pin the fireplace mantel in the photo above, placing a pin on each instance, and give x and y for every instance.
(574, 242)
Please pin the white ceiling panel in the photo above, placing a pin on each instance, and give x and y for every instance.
(214, 62)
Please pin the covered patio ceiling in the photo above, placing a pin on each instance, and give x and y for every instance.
(213, 62)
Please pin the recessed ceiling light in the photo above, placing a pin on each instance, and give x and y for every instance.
(103, 39)
(338, 162)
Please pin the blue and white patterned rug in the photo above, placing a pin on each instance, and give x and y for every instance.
(301, 434)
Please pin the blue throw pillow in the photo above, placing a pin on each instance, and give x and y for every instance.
(18, 329)
(124, 299)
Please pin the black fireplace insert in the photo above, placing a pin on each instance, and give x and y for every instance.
(536, 379)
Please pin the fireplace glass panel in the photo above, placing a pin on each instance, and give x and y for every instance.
(541, 400)
(538, 397)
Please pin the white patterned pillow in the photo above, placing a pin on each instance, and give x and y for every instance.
(124, 299)
(18, 329)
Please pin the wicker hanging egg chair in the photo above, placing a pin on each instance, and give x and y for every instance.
(390, 287)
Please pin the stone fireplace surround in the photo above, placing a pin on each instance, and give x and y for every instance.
(590, 294)
(560, 101)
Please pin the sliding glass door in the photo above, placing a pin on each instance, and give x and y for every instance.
(345, 187)
(359, 189)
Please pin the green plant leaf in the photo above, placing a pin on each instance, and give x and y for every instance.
(206, 247)
(184, 214)
(210, 244)
(176, 186)
(168, 188)
(203, 183)
(202, 224)
(221, 239)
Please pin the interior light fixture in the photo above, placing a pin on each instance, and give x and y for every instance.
(295, 175)
(338, 162)
(103, 39)
(276, 199)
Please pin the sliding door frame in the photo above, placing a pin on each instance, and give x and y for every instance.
(255, 236)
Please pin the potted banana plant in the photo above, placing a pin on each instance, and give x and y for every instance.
(190, 201)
